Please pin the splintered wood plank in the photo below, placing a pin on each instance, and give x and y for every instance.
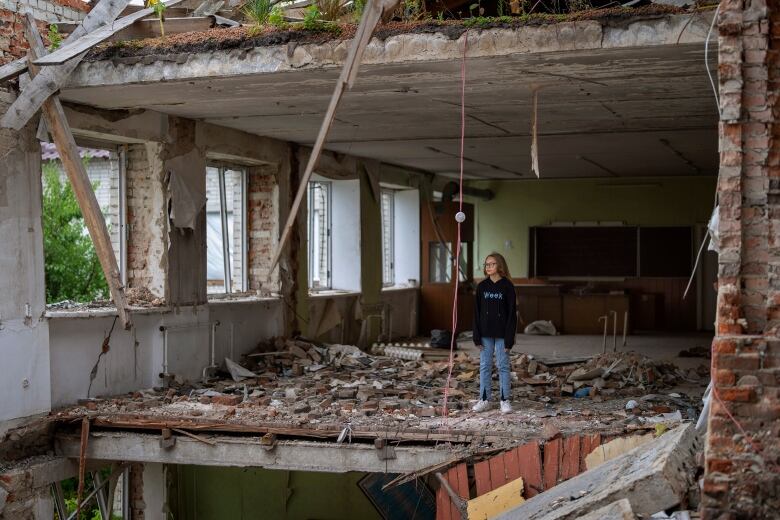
(497, 471)
(13, 69)
(84, 43)
(552, 462)
(57, 123)
(482, 477)
(530, 460)
(492, 504)
(570, 466)
(512, 465)
(372, 13)
(596, 441)
(51, 79)
(584, 451)
(459, 480)
(443, 505)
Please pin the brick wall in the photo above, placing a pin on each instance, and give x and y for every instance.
(742, 475)
(13, 43)
(146, 220)
(137, 504)
(263, 229)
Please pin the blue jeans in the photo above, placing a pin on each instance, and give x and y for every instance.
(489, 345)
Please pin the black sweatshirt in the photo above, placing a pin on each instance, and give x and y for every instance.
(495, 311)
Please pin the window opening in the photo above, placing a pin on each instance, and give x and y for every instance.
(388, 235)
(225, 229)
(320, 196)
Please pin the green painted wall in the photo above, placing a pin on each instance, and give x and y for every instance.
(519, 205)
(214, 493)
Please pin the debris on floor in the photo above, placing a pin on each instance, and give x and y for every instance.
(300, 386)
(653, 477)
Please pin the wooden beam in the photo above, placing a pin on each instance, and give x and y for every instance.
(371, 15)
(83, 44)
(150, 27)
(49, 81)
(13, 69)
(74, 167)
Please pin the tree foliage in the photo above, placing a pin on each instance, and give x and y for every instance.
(72, 267)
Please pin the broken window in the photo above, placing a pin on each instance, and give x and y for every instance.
(319, 235)
(440, 262)
(225, 236)
(388, 237)
(73, 270)
(400, 236)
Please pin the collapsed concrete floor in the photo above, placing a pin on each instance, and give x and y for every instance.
(300, 406)
(315, 391)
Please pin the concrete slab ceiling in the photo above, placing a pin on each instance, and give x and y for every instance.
(613, 111)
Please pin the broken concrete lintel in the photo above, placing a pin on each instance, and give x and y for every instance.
(620, 510)
(247, 452)
(38, 473)
(653, 477)
(586, 35)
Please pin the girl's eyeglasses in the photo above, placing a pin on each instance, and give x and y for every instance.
(491, 264)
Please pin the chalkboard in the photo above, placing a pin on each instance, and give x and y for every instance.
(584, 251)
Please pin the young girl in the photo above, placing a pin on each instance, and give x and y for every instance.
(495, 322)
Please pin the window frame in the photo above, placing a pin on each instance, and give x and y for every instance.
(390, 218)
(227, 269)
(328, 224)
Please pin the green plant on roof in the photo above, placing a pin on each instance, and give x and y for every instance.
(55, 38)
(159, 9)
(312, 18)
(357, 9)
(276, 17)
(258, 12)
(413, 10)
(331, 10)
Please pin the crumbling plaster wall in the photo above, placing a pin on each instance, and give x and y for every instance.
(24, 345)
(360, 313)
(743, 445)
(136, 357)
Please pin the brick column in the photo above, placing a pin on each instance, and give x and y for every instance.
(742, 454)
(147, 221)
(263, 226)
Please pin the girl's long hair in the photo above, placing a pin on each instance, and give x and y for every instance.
(501, 266)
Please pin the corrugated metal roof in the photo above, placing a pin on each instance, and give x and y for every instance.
(49, 152)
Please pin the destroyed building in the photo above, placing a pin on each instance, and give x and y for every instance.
(284, 242)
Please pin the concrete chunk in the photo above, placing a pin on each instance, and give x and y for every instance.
(653, 477)
(620, 510)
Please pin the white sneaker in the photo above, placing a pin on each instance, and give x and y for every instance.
(481, 406)
(506, 407)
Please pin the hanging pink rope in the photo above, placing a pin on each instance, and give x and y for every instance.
(459, 220)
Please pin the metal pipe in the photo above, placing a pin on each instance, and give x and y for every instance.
(122, 154)
(86, 501)
(164, 329)
(126, 494)
(105, 513)
(213, 353)
(614, 330)
(164, 374)
(185, 326)
(625, 327)
(225, 234)
(606, 321)
(232, 344)
(59, 500)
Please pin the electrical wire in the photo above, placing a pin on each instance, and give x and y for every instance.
(717, 181)
(445, 412)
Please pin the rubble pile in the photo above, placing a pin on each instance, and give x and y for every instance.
(610, 375)
(300, 383)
